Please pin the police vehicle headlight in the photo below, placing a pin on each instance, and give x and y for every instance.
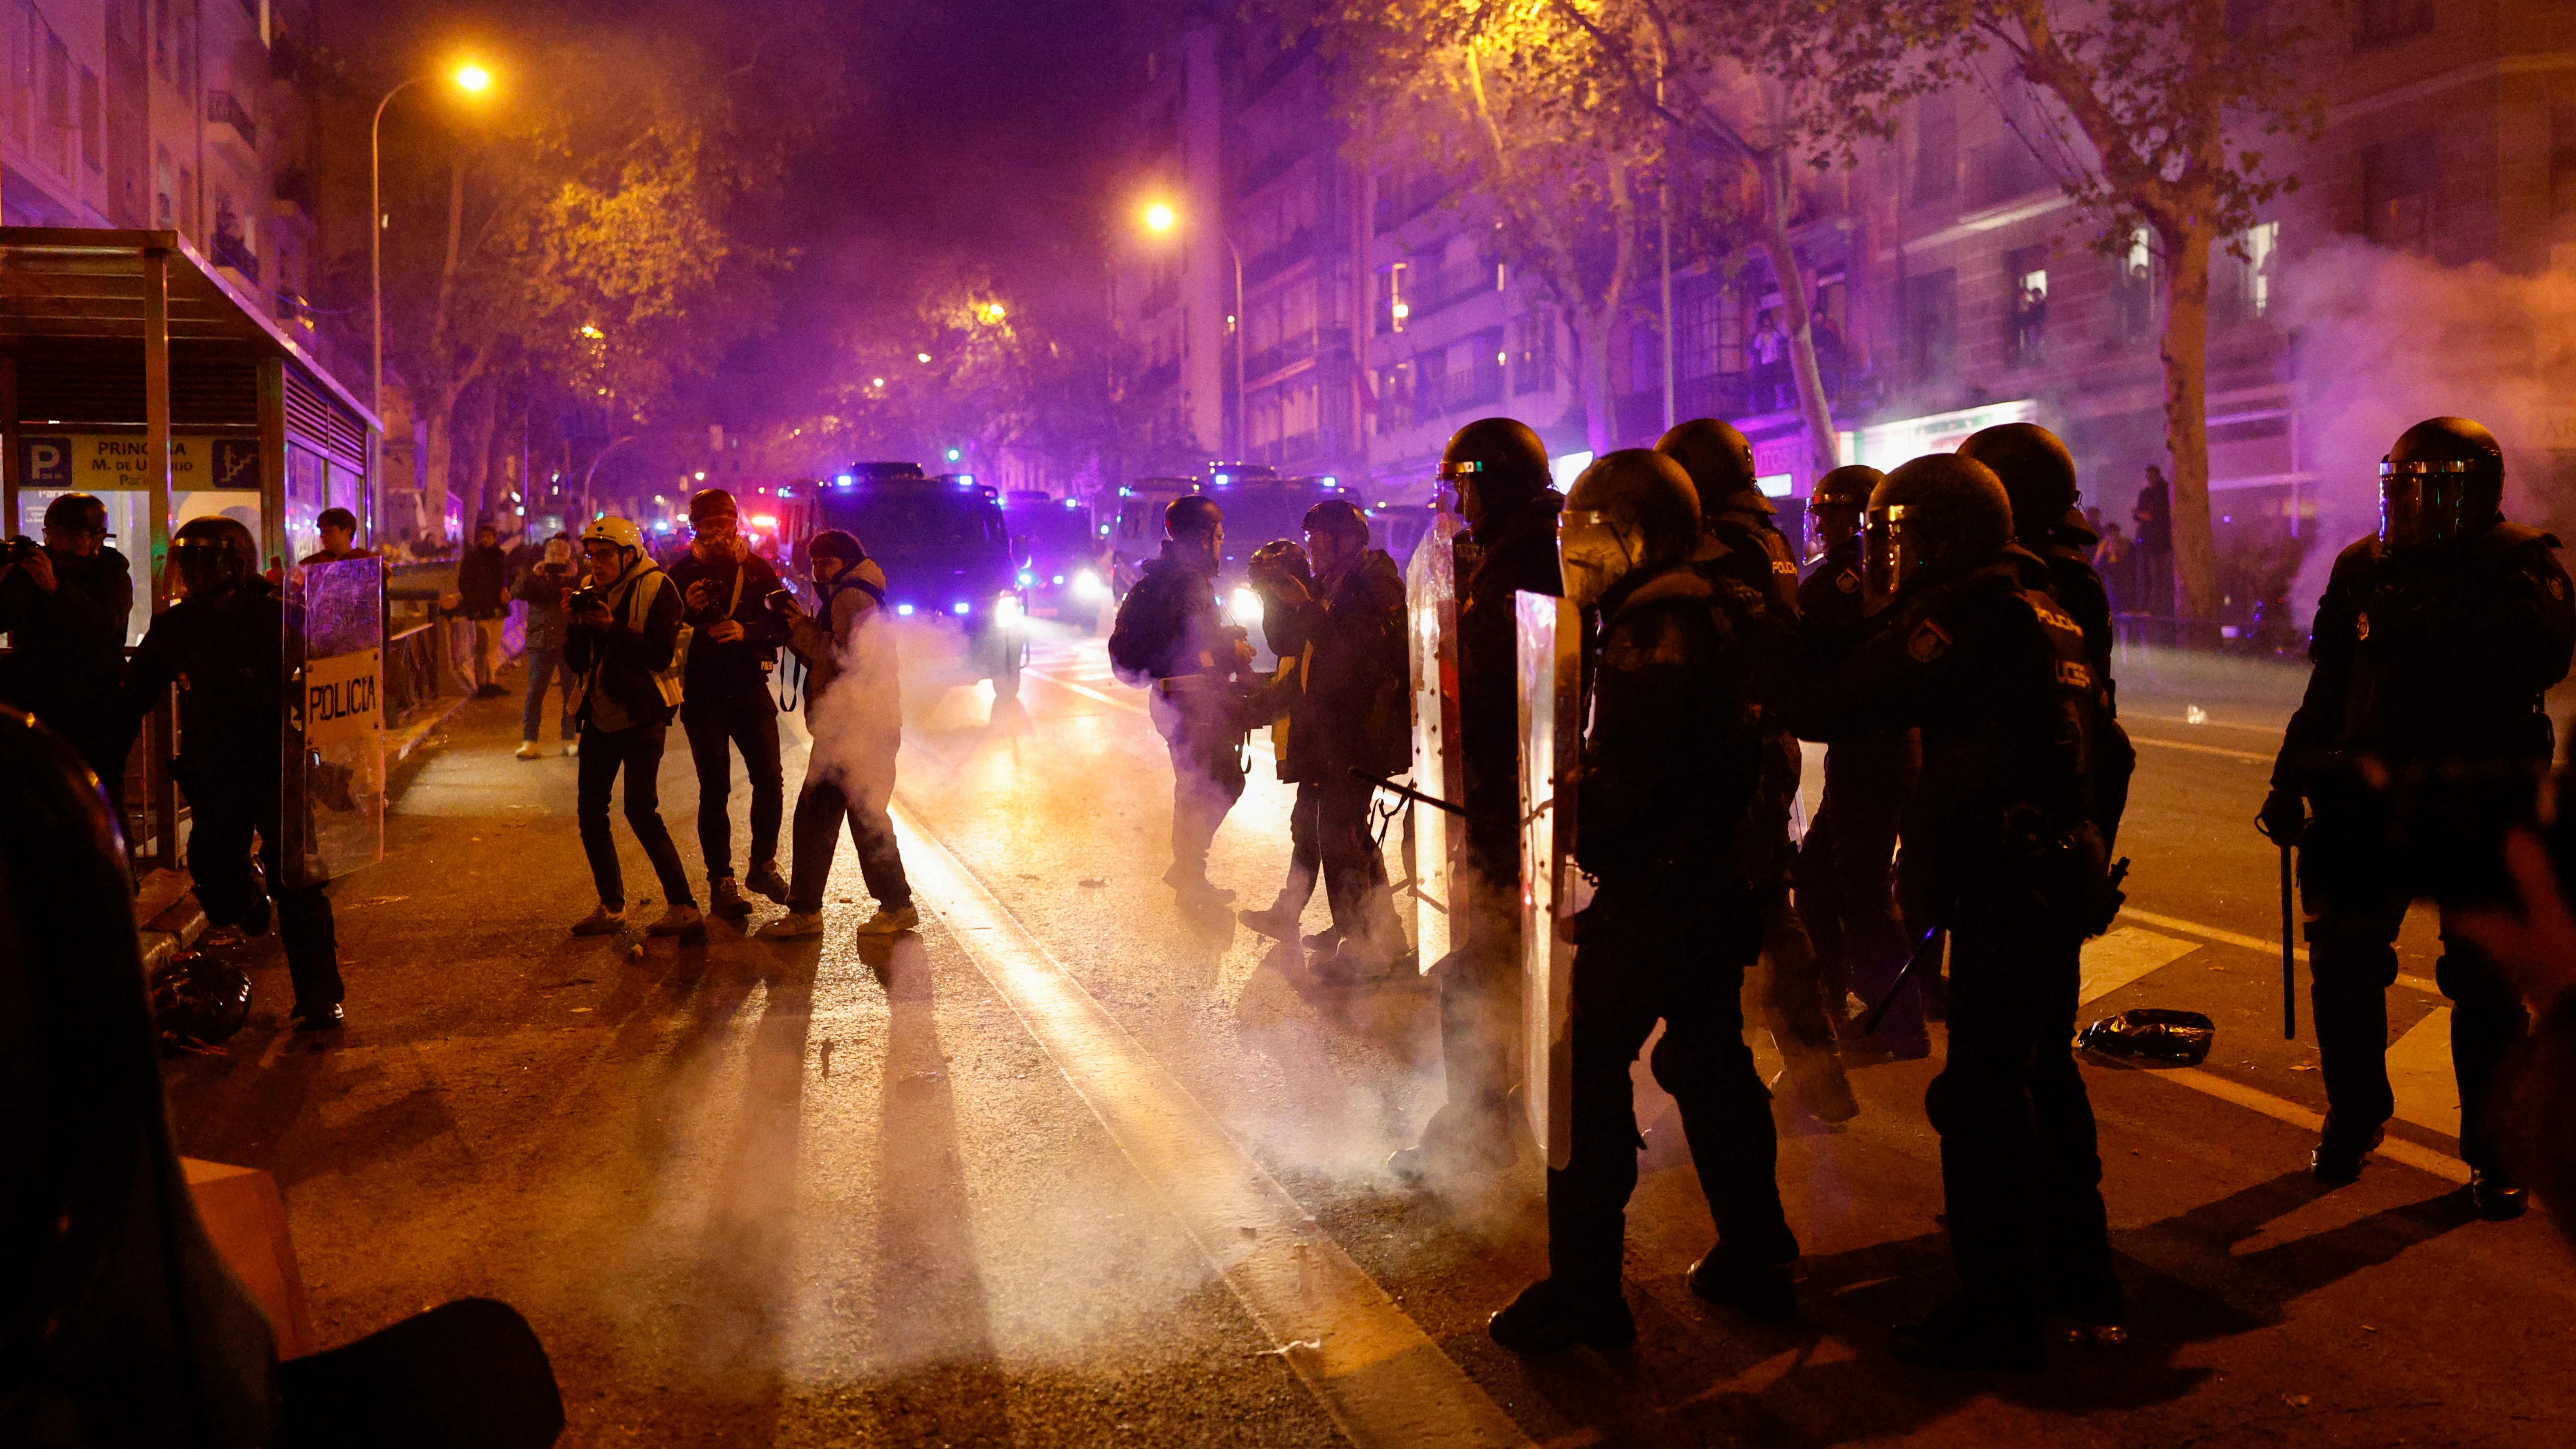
(1246, 606)
(1006, 610)
(1087, 584)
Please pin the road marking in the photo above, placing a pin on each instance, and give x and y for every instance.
(1259, 743)
(2395, 1149)
(2121, 956)
(2268, 946)
(2419, 1072)
(1379, 1376)
(2247, 756)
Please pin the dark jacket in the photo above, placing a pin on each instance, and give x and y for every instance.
(822, 639)
(1672, 754)
(67, 647)
(482, 577)
(720, 669)
(545, 589)
(616, 664)
(2441, 654)
(1512, 554)
(225, 655)
(1994, 673)
(1168, 625)
(1356, 709)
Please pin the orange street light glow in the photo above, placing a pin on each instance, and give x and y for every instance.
(1161, 217)
(473, 78)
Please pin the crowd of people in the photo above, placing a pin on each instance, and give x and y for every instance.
(1951, 644)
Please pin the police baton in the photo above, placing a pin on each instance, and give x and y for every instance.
(1923, 951)
(1416, 796)
(2289, 972)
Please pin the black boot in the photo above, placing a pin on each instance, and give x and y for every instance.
(1551, 1316)
(2497, 1197)
(1763, 1291)
(2339, 1155)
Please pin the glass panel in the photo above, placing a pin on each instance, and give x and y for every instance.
(1438, 838)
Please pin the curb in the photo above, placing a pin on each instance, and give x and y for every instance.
(401, 742)
(176, 920)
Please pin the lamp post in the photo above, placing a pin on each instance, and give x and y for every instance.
(1160, 217)
(473, 80)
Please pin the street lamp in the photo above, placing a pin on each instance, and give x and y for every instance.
(469, 78)
(1159, 218)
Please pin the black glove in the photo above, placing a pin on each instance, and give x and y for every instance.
(2284, 817)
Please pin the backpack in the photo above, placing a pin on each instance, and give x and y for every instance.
(1148, 627)
(670, 681)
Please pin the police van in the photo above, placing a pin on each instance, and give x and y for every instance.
(944, 545)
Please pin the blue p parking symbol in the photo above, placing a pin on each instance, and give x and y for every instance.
(48, 462)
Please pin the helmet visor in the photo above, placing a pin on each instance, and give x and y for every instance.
(1595, 553)
(2426, 503)
(1891, 554)
(205, 564)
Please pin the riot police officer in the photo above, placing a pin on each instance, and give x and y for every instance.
(2003, 850)
(2433, 645)
(1744, 552)
(222, 642)
(2038, 474)
(1670, 762)
(1845, 895)
(1499, 470)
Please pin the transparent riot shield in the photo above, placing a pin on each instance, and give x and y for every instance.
(335, 720)
(1551, 702)
(1437, 840)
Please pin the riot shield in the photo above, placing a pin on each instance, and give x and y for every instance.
(1551, 704)
(1437, 839)
(335, 721)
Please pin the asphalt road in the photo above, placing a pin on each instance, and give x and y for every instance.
(1069, 1168)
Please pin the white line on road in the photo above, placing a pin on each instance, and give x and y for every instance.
(1382, 1379)
(2269, 947)
(2395, 1149)
(2248, 756)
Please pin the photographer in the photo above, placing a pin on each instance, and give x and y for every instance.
(545, 591)
(1170, 632)
(64, 605)
(625, 627)
(1358, 716)
(223, 638)
(2434, 645)
(723, 586)
(482, 581)
(854, 710)
(1284, 699)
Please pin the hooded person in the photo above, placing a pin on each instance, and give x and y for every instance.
(1171, 638)
(854, 713)
(620, 644)
(726, 705)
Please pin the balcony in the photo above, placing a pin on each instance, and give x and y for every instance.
(1289, 351)
(230, 251)
(228, 122)
(1264, 265)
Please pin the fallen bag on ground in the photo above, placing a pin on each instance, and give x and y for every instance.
(2181, 1038)
(199, 1001)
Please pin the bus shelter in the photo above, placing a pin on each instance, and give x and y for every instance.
(131, 369)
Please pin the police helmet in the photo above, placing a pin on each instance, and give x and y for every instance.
(1279, 560)
(2036, 470)
(1840, 498)
(1719, 461)
(1633, 509)
(2442, 480)
(213, 553)
(1337, 515)
(1192, 513)
(1494, 463)
(1935, 516)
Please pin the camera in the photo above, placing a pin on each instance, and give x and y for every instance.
(21, 547)
(780, 601)
(585, 599)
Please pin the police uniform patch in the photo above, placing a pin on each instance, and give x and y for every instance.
(1848, 581)
(2361, 626)
(1928, 642)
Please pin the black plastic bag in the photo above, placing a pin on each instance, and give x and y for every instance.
(2176, 1038)
(198, 1001)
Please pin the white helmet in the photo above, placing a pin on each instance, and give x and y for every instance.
(619, 531)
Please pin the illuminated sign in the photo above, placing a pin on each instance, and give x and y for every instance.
(1888, 444)
(113, 462)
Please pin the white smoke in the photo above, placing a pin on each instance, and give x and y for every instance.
(857, 720)
(2386, 340)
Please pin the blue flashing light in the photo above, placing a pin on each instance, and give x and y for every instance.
(1059, 579)
(1076, 503)
(661, 525)
(954, 455)
(1332, 482)
(846, 479)
(1223, 479)
(904, 609)
(1126, 492)
(1027, 578)
(961, 607)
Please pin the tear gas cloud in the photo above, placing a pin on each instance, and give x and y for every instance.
(2386, 340)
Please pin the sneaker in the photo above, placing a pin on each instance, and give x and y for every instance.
(1549, 1317)
(766, 880)
(1765, 1292)
(601, 922)
(891, 921)
(528, 750)
(571, 748)
(724, 898)
(794, 926)
(677, 921)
